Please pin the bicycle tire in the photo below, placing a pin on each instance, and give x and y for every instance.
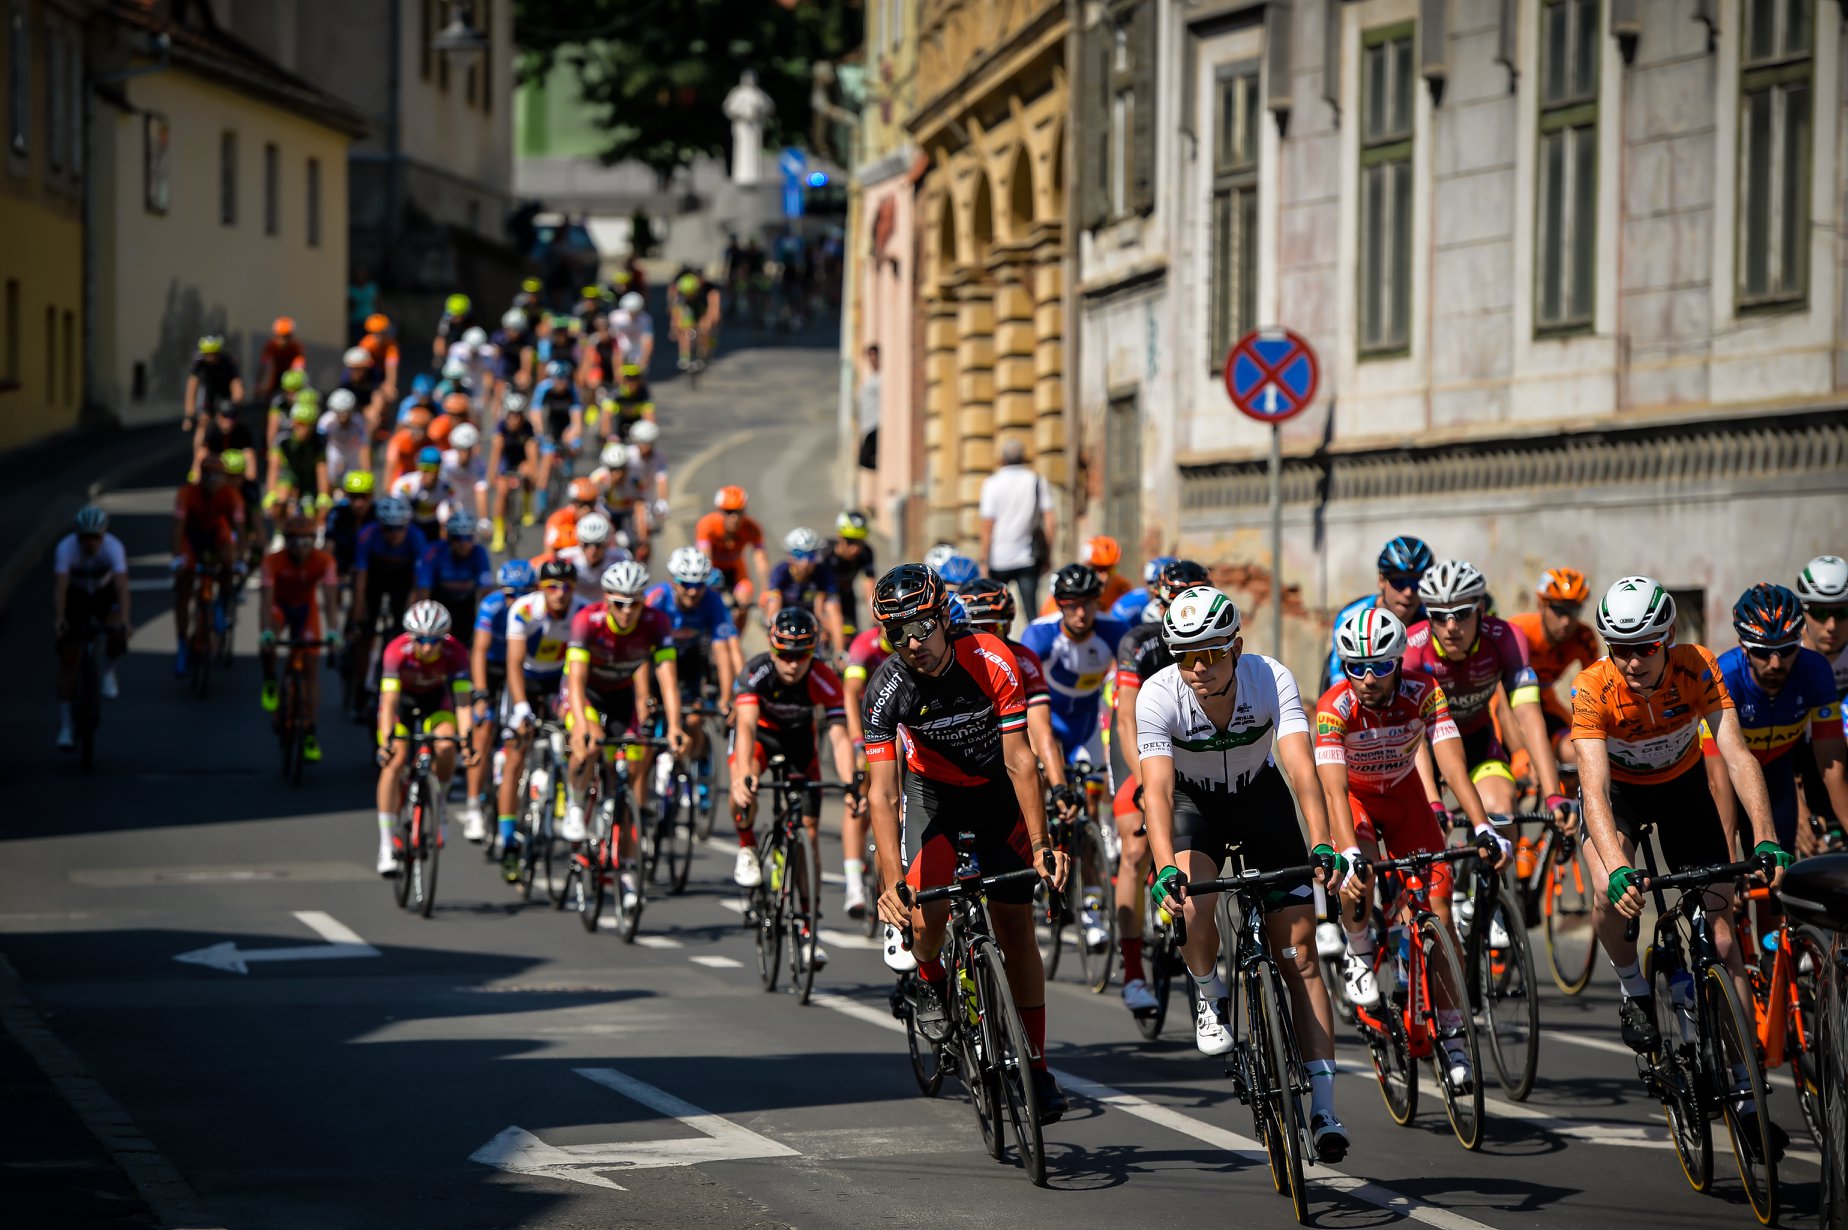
(770, 926)
(870, 925)
(1095, 966)
(1160, 957)
(801, 934)
(1566, 904)
(290, 734)
(590, 890)
(1675, 1078)
(1832, 1048)
(1288, 1078)
(401, 885)
(1502, 991)
(1256, 1079)
(1804, 1026)
(430, 848)
(927, 1057)
(202, 665)
(975, 1054)
(1464, 1111)
(1391, 1048)
(87, 706)
(628, 920)
(556, 851)
(1014, 1058)
(680, 835)
(1049, 914)
(1732, 1044)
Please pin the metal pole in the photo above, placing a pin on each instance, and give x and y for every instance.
(1276, 542)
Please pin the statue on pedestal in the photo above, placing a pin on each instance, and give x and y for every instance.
(747, 107)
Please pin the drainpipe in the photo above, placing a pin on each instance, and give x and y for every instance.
(394, 167)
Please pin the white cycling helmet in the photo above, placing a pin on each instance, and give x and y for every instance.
(625, 580)
(427, 619)
(802, 541)
(689, 566)
(512, 318)
(644, 432)
(1635, 611)
(513, 403)
(614, 456)
(631, 302)
(593, 528)
(1824, 579)
(358, 356)
(1373, 634)
(938, 555)
(455, 370)
(475, 335)
(1201, 616)
(394, 512)
(464, 436)
(342, 401)
(1450, 582)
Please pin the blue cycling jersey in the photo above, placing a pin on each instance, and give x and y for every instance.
(1075, 674)
(491, 617)
(375, 548)
(1129, 608)
(709, 620)
(449, 576)
(1773, 725)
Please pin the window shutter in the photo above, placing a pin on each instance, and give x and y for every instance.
(1145, 54)
(1093, 144)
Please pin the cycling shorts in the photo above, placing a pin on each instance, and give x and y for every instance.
(300, 621)
(1401, 822)
(83, 612)
(214, 541)
(801, 756)
(990, 811)
(614, 710)
(1126, 802)
(1682, 812)
(1484, 754)
(1259, 822)
(424, 711)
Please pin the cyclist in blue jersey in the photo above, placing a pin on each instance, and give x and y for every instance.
(1077, 648)
(1402, 563)
(384, 581)
(1128, 609)
(560, 412)
(706, 645)
(352, 513)
(456, 571)
(488, 663)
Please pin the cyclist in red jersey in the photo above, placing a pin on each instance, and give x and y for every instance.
(208, 523)
(958, 699)
(1471, 654)
(424, 683)
(290, 578)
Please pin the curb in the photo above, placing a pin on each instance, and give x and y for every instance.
(168, 1195)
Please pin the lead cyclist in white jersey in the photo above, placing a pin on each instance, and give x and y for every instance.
(1210, 731)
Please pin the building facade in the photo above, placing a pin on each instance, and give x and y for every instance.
(1572, 267)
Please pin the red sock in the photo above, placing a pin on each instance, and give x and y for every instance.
(932, 970)
(747, 838)
(1132, 959)
(1034, 1019)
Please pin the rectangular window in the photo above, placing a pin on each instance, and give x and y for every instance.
(227, 178)
(70, 358)
(1775, 108)
(314, 202)
(1122, 107)
(272, 188)
(18, 80)
(1234, 287)
(1386, 88)
(11, 372)
(1566, 218)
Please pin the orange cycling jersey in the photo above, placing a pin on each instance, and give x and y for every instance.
(1650, 738)
(291, 582)
(561, 528)
(726, 550)
(1550, 661)
(209, 512)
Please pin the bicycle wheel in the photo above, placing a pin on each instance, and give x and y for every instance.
(86, 705)
(429, 847)
(975, 1065)
(1283, 1081)
(1675, 1074)
(802, 931)
(554, 850)
(926, 1056)
(1096, 899)
(1832, 1063)
(1391, 1047)
(1731, 1049)
(289, 733)
(680, 835)
(628, 917)
(1013, 1056)
(1443, 969)
(202, 661)
(587, 891)
(770, 920)
(1566, 903)
(1809, 955)
(1159, 955)
(870, 925)
(407, 823)
(1503, 994)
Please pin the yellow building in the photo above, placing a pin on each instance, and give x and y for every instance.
(220, 189)
(41, 216)
(991, 121)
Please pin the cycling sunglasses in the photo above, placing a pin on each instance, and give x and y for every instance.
(1370, 670)
(690, 587)
(623, 604)
(904, 631)
(1193, 659)
(426, 642)
(1451, 614)
(1822, 614)
(1404, 581)
(1566, 610)
(792, 655)
(804, 557)
(1764, 653)
(553, 587)
(1631, 653)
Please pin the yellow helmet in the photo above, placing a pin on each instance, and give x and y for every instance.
(233, 461)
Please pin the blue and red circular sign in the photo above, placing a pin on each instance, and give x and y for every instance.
(1272, 375)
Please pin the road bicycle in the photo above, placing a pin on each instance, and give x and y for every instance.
(1553, 881)
(711, 768)
(293, 717)
(541, 795)
(1161, 953)
(1089, 898)
(784, 911)
(668, 839)
(1415, 963)
(1498, 964)
(1815, 895)
(419, 832)
(87, 690)
(213, 620)
(1707, 1062)
(612, 813)
(986, 1040)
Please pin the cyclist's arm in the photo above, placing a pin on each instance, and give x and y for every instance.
(1595, 799)
(1831, 758)
(496, 447)
(577, 671)
(1427, 773)
(1125, 723)
(831, 622)
(237, 388)
(320, 477)
(459, 688)
(843, 751)
(516, 670)
(388, 704)
(1333, 776)
(330, 602)
(189, 411)
(478, 658)
(1158, 808)
(771, 601)
(726, 665)
(123, 589)
(1719, 784)
(1454, 765)
(853, 686)
(1297, 757)
(744, 735)
(882, 802)
(666, 674)
(1748, 777)
(760, 564)
(1045, 742)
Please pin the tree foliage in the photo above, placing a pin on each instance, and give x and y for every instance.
(659, 70)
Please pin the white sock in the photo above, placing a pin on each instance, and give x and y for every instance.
(1360, 943)
(1321, 1086)
(1635, 986)
(574, 795)
(853, 868)
(1212, 987)
(388, 820)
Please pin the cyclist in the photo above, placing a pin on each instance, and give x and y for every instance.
(620, 658)
(384, 574)
(560, 414)
(727, 535)
(291, 578)
(298, 463)
(456, 570)
(804, 582)
(1141, 653)
(1078, 648)
(224, 432)
(1556, 639)
(458, 318)
(360, 376)
(1372, 730)
(280, 403)
(351, 513)
(1823, 588)
(513, 348)
(956, 693)
(208, 523)
(380, 345)
(592, 554)
(281, 353)
(423, 685)
(706, 648)
(538, 629)
(1471, 654)
(850, 558)
(1212, 730)
(633, 403)
(622, 502)
(1128, 609)
(421, 397)
(513, 463)
(488, 663)
(89, 590)
(408, 441)
(212, 378)
(648, 470)
(633, 328)
(1402, 564)
(561, 526)
(1636, 718)
(774, 715)
(348, 437)
(465, 469)
(426, 491)
(1101, 554)
(695, 305)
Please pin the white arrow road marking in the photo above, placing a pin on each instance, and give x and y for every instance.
(341, 941)
(719, 1140)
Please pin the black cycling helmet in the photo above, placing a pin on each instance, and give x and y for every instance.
(908, 592)
(1768, 614)
(1406, 554)
(558, 570)
(794, 630)
(1176, 576)
(988, 601)
(1076, 583)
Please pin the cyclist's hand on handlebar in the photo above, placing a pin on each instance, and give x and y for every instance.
(1357, 879)
(677, 740)
(1053, 866)
(1170, 888)
(1775, 859)
(1561, 808)
(895, 905)
(743, 793)
(1065, 801)
(1625, 891)
(383, 755)
(1494, 846)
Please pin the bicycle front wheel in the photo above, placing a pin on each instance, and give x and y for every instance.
(679, 831)
(974, 1048)
(770, 919)
(1282, 1077)
(927, 1057)
(1442, 978)
(1566, 901)
(803, 914)
(1161, 957)
(1050, 912)
(1675, 1073)
(407, 825)
(1013, 1057)
(1732, 1054)
(1097, 922)
(628, 914)
(1502, 992)
(423, 861)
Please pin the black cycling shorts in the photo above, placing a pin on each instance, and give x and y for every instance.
(1815, 794)
(1683, 814)
(1259, 822)
(799, 752)
(991, 812)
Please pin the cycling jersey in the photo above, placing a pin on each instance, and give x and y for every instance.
(426, 495)
(788, 709)
(848, 570)
(1075, 673)
(547, 636)
(707, 620)
(402, 670)
(1331, 673)
(89, 572)
(297, 457)
(237, 436)
(1379, 747)
(376, 551)
(215, 376)
(516, 431)
(349, 444)
(866, 652)
(454, 580)
(820, 583)
(556, 400)
(1211, 764)
(1129, 608)
(292, 582)
(1497, 659)
(209, 515)
(1140, 654)
(953, 721)
(508, 346)
(341, 533)
(464, 474)
(726, 551)
(1550, 661)
(1774, 725)
(451, 328)
(1654, 738)
(491, 617)
(614, 656)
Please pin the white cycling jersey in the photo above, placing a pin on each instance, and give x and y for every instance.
(590, 576)
(90, 572)
(546, 637)
(1208, 760)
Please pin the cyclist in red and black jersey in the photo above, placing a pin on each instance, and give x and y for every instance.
(958, 697)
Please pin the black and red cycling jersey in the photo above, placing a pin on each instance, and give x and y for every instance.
(1032, 674)
(952, 721)
(788, 709)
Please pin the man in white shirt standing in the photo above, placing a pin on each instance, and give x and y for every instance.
(1016, 504)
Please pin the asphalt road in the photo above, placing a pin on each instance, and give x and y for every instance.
(498, 1066)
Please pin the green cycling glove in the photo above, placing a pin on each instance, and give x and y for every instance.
(1339, 864)
(1779, 854)
(1622, 879)
(1166, 881)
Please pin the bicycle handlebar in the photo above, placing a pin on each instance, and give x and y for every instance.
(1221, 884)
(962, 888)
(1696, 877)
(1422, 859)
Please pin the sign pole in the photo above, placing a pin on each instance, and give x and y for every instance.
(1276, 542)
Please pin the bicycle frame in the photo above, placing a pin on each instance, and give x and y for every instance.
(1411, 902)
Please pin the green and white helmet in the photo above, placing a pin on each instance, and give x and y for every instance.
(1635, 611)
(1372, 634)
(1199, 616)
(1824, 579)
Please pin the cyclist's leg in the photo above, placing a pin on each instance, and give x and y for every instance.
(583, 761)
(391, 776)
(1201, 846)
(1691, 836)
(443, 722)
(1403, 822)
(1003, 846)
(1132, 870)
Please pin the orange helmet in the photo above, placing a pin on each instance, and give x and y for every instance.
(456, 404)
(730, 499)
(378, 322)
(283, 327)
(583, 491)
(1104, 551)
(1563, 585)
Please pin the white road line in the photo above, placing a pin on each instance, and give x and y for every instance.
(731, 903)
(843, 939)
(717, 962)
(328, 927)
(1590, 1043)
(657, 941)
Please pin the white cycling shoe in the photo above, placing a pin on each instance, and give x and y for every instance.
(1329, 942)
(747, 873)
(1362, 990)
(388, 858)
(1211, 1029)
(110, 688)
(1096, 935)
(1457, 1070)
(630, 897)
(1138, 998)
(474, 828)
(571, 828)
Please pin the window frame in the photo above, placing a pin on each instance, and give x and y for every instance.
(1234, 181)
(227, 177)
(1576, 115)
(1773, 75)
(1393, 148)
(272, 188)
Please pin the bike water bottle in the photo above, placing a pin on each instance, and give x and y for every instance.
(1525, 857)
(500, 761)
(1681, 990)
(776, 871)
(1402, 956)
(968, 993)
(539, 784)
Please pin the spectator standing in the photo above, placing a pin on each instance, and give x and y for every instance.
(1018, 524)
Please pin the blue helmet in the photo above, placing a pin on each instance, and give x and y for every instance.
(1152, 569)
(1768, 614)
(1406, 554)
(423, 382)
(959, 614)
(517, 577)
(959, 570)
(429, 455)
(558, 369)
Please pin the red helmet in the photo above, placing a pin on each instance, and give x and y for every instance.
(730, 499)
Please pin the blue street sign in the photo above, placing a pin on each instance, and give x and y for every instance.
(793, 162)
(1272, 375)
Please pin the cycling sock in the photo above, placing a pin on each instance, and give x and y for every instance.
(506, 829)
(1132, 959)
(853, 869)
(1635, 986)
(387, 821)
(1450, 1018)
(1034, 1019)
(932, 971)
(1321, 1086)
(747, 839)
(1211, 986)
(1360, 943)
